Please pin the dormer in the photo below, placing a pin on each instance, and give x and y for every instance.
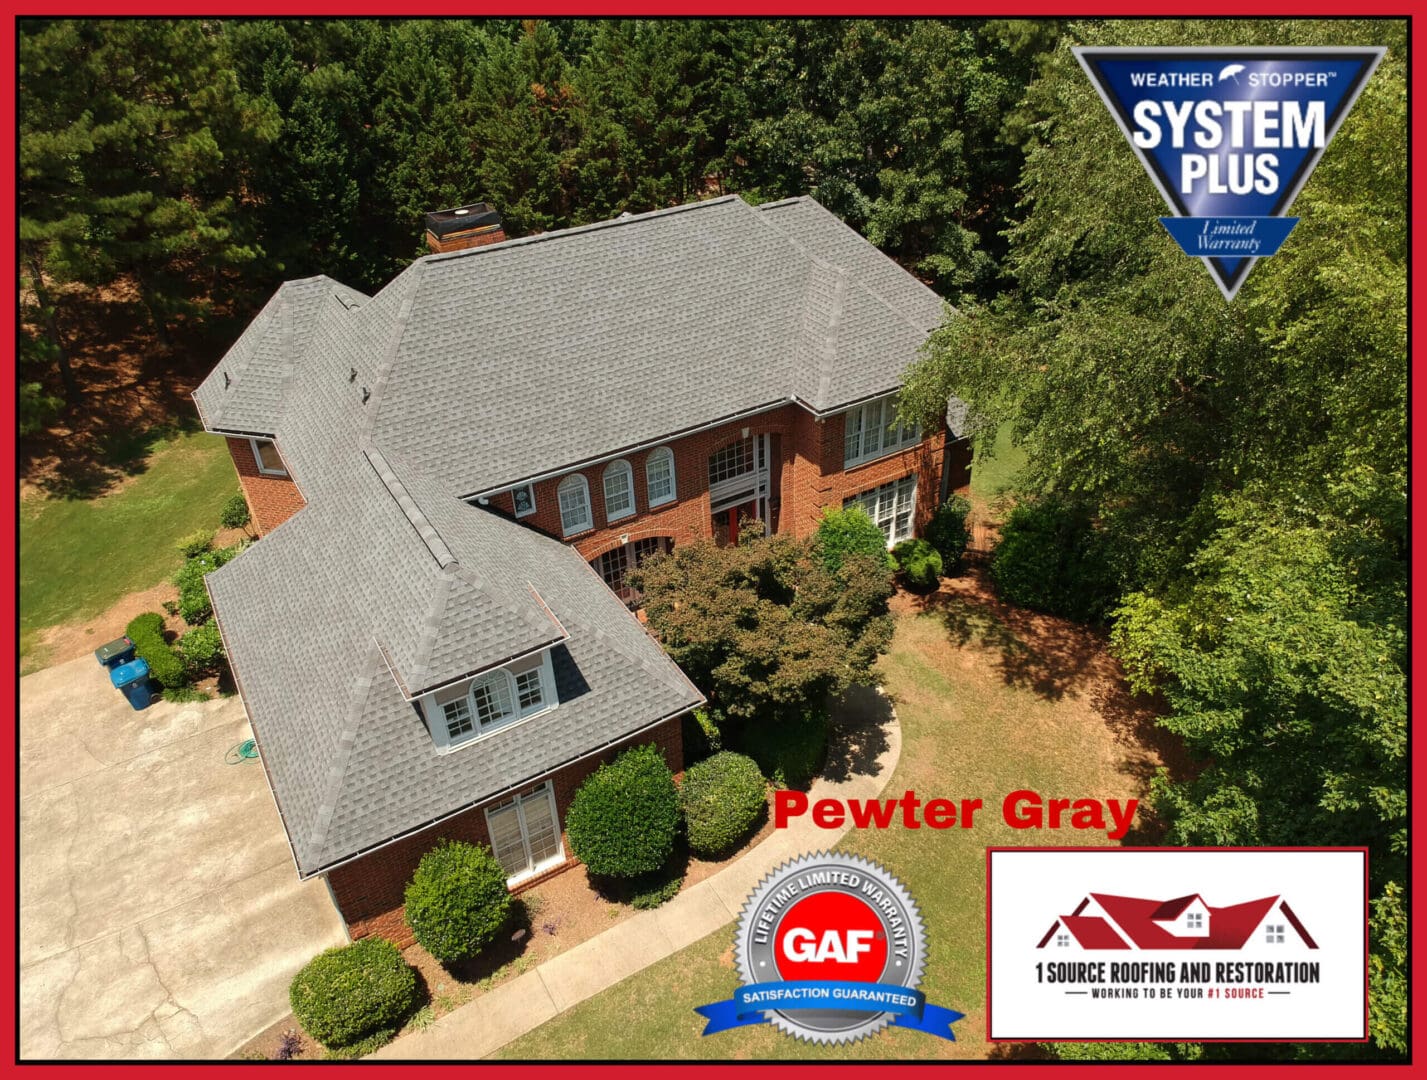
(469, 710)
(1185, 917)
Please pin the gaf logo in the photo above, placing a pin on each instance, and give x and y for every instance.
(1229, 136)
(1177, 944)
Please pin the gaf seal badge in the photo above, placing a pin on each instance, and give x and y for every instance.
(1229, 136)
(831, 949)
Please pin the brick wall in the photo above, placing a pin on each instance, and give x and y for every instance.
(469, 238)
(271, 499)
(369, 890)
(806, 476)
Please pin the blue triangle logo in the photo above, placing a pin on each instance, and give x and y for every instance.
(1229, 136)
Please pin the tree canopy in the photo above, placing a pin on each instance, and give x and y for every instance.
(1242, 465)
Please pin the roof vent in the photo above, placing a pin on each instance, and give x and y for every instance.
(461, 227)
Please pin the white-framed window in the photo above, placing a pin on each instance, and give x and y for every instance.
(574, 496)
(892, 506)
(1194, 920)
(1274, 933)
(618, 490)
(735, 459)
(659, 476)
(465, 711)
(872, 430)
(523, 499)
(615, 563)
(525, 833)
(1062, 941)
(268, 459)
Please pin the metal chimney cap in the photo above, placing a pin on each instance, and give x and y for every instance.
(460, 218)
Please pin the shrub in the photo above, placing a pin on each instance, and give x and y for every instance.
(919, 561)
(193, 602)
(1050, 558)
(656, 889)
(195, 544)
(789, 750)
(348, 993)
(623, 818)
(701, 735)
(202, 648)
(457, 901)
(166, 667)
(844, 532)
(721, 799)
(947, 532)
(235, 513)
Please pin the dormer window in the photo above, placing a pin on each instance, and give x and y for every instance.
(1194, 920)
(266, 455)
(462, 712)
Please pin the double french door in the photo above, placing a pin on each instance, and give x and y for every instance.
(525, 833)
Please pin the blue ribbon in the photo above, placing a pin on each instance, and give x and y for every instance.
(749, 1003)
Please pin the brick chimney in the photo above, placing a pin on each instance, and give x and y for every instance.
(463, 227)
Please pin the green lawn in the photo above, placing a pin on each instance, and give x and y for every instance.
(977, 721)
(79, 556)
(992, 473)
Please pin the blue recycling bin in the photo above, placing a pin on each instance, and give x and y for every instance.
(115, 653)
(132, 680)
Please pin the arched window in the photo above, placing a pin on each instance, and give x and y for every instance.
(618, 490)
(574, 495)
(659, 476)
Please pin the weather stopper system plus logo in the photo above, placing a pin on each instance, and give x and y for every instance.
(1229, 136)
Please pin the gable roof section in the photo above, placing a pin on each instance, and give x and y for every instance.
(1171, 909)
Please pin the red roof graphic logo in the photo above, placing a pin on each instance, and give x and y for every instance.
(1105, 921)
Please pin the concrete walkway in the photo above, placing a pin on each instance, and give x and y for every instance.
(160, 912)
(865, 747)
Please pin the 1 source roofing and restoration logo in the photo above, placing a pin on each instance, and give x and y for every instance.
(1177, 944)
(831, 950)
(1229, 136)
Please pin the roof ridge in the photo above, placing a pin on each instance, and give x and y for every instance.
(337, 771)
(414, 514)
(388, 360)
(577, 230)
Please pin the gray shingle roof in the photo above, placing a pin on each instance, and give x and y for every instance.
(475, 370)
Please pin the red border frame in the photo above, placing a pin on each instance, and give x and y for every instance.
(1146, 9)
(1367, 898)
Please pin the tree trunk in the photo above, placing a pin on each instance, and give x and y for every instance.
(160, 327)
(72, 391)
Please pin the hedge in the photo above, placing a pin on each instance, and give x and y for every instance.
(195, 544)
(166, 667)
(789, 750)
(721, 798)
(235, 513)
(847, 532)
(919, 561)
(1051, 558)
(352, 991)
(193, 602)
(624, 817)
(948, 533)
(457, 901)
(202, 648)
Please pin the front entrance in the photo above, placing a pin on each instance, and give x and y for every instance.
(739, 488)
(525, 833)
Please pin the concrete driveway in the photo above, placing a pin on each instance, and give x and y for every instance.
(160, 912)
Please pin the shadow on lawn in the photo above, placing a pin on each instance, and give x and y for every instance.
(1053, 657)
(858, 734)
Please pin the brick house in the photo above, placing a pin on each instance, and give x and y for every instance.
(450, 478)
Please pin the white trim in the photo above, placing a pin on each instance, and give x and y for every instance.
(661, 453)
(888, 521)
(615, 468)
(906, 436)
(435, 711)
(517, 803)
(584, 523)
(253, 441)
